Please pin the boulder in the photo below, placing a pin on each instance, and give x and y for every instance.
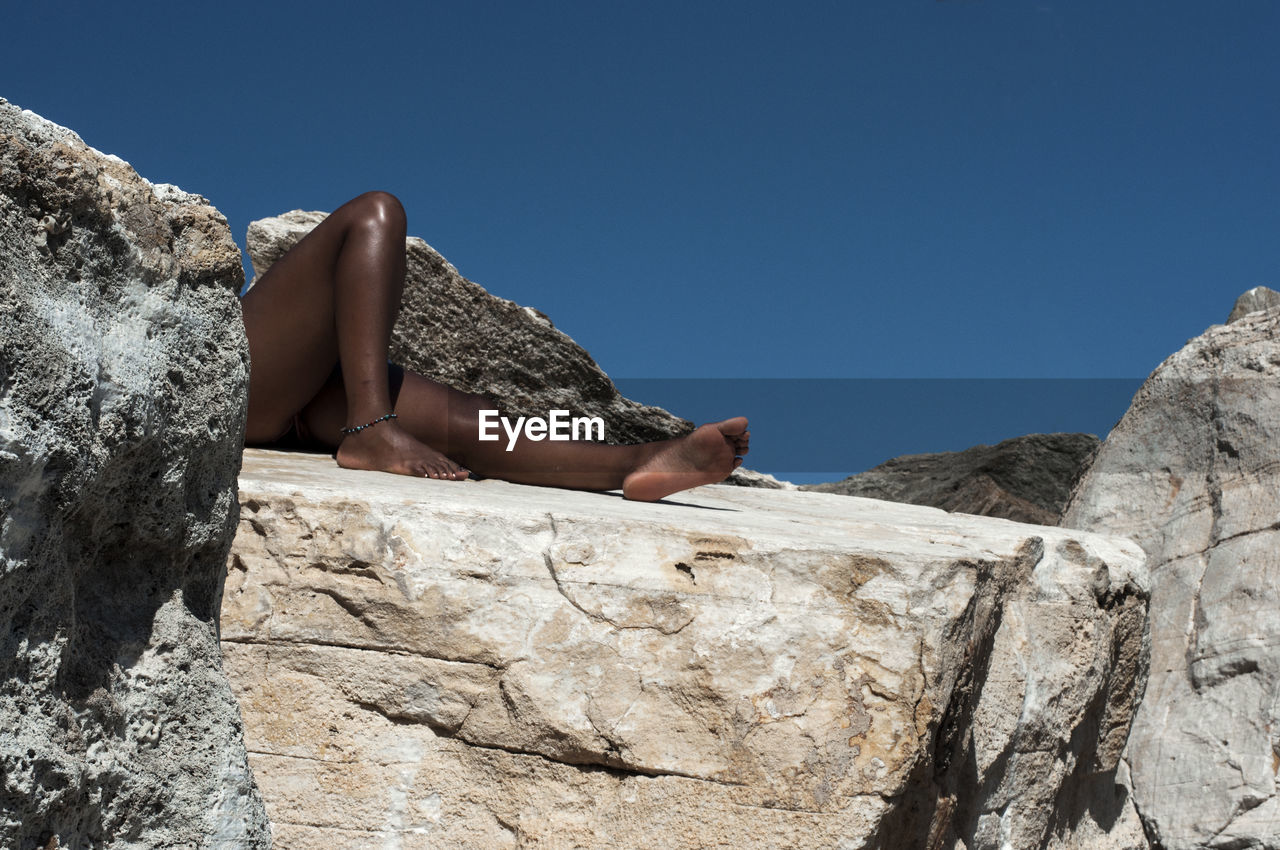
(1027, 479)
(122, 403)
(1258, 298)
(743, 477)
(488, 665)
(452, 330)
(1191, 474)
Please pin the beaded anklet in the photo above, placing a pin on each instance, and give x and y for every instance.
(357, 429)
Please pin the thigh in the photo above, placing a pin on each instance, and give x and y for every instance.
(289, 320)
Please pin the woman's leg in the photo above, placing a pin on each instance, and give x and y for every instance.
(448, 419)
(333, 298)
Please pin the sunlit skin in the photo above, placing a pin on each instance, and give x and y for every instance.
(333, 298)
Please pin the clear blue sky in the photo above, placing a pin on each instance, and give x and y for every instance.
(966, 188)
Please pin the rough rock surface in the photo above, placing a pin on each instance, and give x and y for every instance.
(122, 392)
(487, 665)
(1191, 473)
(1258, 298)
(743, 477)
(454, 331)
(1027, 479)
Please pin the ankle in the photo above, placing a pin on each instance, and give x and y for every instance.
(352, 429)
(643, 454)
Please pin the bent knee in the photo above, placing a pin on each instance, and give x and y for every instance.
(379, 209)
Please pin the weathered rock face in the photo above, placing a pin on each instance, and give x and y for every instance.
(1258, 298)
(1027, 479)
(452, 330)
(1190, 473)
(122, 393)
(487, 665)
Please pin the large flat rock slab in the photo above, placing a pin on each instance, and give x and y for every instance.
(483, 664)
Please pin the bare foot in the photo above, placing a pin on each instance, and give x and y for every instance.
(706, 456)
(386, 447)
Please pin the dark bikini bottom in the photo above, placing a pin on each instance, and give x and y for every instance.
(297, 437)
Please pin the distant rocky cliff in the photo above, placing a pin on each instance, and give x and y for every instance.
(1027, 479)
(122, 401)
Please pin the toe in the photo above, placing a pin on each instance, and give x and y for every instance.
(732, 427)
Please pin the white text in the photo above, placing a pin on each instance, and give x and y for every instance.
(558, 426)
